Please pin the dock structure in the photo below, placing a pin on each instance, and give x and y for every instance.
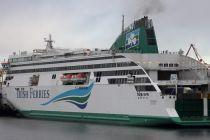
(209, 78)
(5, 108)
(1, 82)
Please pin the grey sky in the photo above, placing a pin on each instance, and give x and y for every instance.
(96, 24)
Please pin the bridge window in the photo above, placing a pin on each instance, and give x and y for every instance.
(176, 65)
(145, 88)
(117, 81)
(166, 65)
(170, 65)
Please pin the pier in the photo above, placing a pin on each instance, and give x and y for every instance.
(5, 108)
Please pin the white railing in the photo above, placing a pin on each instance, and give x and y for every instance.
(182, 82)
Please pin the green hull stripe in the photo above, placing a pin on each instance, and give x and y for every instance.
(96, 117)
(116, 118)
(199, 121)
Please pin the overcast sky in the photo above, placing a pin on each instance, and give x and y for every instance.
(97, 23)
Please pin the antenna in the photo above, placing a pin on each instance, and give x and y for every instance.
(123, 23)
(49, 42)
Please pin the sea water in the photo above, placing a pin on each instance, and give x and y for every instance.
(29, 129)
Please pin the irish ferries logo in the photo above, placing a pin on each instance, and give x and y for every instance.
(132, 39)
(79, 97)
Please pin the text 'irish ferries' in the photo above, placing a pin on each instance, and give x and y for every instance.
(32, 93)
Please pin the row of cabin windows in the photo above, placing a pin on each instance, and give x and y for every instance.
(120, 72)
(145, 88)
(20, 59)
(136, 80)
(79, 67)
(33, 81)
(142, 80)
(125, 80)
(66, 61)
(117, 81)
(169, 65)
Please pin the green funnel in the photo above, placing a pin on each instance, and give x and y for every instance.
(139, 37)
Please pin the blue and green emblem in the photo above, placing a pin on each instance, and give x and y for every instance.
(78, 96)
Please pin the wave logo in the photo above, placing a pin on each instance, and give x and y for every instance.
(78, 97)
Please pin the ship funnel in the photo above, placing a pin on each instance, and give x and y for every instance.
(138, 37)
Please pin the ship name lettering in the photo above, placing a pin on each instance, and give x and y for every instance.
(21, 93)
(32, 93)
(39, 93)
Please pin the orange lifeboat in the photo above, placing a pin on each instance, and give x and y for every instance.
(74, 77)
(66, 78)
(79, 77)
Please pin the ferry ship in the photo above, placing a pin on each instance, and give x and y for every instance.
(131, 83)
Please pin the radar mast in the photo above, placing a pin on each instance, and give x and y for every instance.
(49, 43)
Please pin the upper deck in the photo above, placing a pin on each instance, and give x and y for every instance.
(54, 55)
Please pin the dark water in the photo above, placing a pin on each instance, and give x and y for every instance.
(28, 129)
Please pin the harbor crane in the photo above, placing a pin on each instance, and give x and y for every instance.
(198, 56)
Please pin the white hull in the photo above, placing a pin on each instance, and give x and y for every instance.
(105, 99)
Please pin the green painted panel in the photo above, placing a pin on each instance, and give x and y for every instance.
(99, 118)
(117, 118)
(189, 108)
